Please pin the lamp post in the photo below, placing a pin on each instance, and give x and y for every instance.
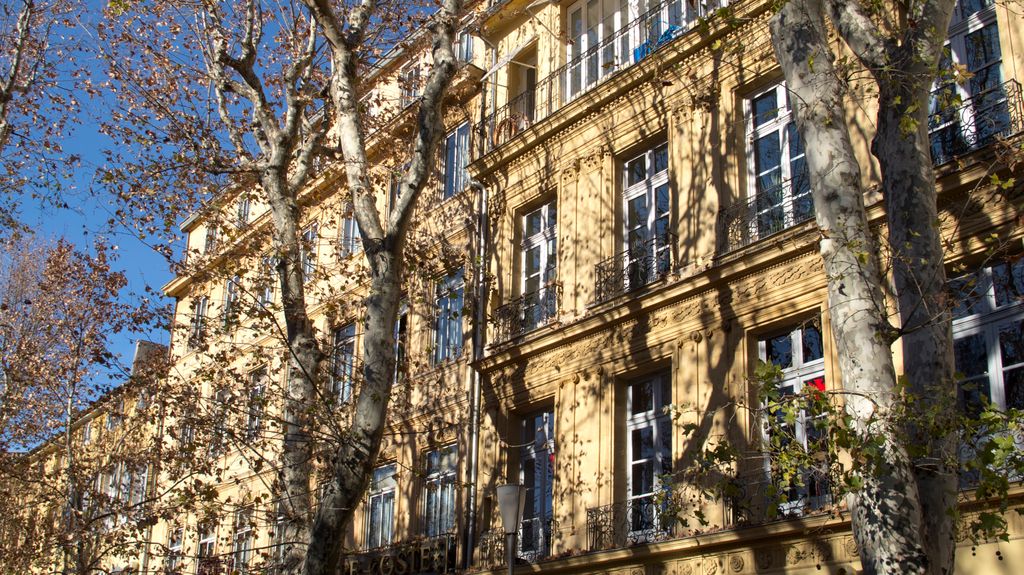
(511, 500)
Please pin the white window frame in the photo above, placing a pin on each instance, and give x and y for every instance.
(308, 250)
(232, 298)
(243, 211)
(210, 240)
(768, 217)
(455, 159)
(343, 362)
(268, 275)
(87, 433)
(944, 115)
(409, 82)
(800, 373)
(175, 545)
(988, 318)
(206, 548)
(536, 474)
(439, 490)
(449, 301)
(349, 240)
(242, 541)
(463, 46)
(537, 287)
(258, 379)
(197, 326)
(643, 514)
(380, 507)
(647, 244)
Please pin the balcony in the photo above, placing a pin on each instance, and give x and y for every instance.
(644, 263)
(434, 555)
(526, 313)
(627, 523)
(769, 212)
(757, 498)
(534, 544)
(616, 51)
(975, 122)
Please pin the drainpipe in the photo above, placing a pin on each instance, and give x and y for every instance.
(480, 320)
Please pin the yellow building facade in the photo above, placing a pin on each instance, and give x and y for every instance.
(620, 231)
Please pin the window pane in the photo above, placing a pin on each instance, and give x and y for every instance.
(1011, 343)
(970, 355)
(637, 214)
(643, 443)
(812, 345)
(779, 350)
(642, 478)
(660, 159)
(533, 223)
(641, 397)
(765, 109)
(636, 171)
(1008, 281)
(1013, 388)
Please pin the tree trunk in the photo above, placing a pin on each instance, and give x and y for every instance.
(296, 471)
(886, 513)
(908, 182)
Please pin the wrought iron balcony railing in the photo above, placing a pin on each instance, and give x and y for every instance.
(757, 497)
(630, 522)
(771, 211)
(975, 122)
(427, 555)
(602, 58)
(534, 543)
(526, 313)
(645, 262)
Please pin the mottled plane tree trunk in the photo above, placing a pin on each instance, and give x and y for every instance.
(902, 515)
(383, 241)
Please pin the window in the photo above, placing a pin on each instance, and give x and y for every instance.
(206, 552)
(257, 401)
(536, 474)
(343, 356)
(456, 155)
(210, 243)
(172, 562)
(401, 340)
(280, 522)
(463, 46)
(197, 327)
(349, 241)
(380, 510)
(242, 543)
(231, 301)
(779, 185)
(218, 436)
(448, 324)
(799, 353)
(646, 206)
(988, 336)
(439, 491)
(242, 213)
(540, 262)
(307, 253)
(87, 433)
(648, 451)
(268, 275)
(966, 116)
(115, 415)
(409, 83)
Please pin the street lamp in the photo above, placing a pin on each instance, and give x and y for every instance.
(511, 500)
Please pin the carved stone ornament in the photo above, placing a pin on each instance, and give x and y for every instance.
(686, 569)
(850, 546)
(794, 555)
(711, 568)
(736, 563)
(570, 172)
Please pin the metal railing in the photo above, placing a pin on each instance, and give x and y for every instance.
(425, 555)
(630, 522)
(643, 263)
(616, 51)
(534, 543)
(757, 497)
(769, 212)
(526, 313)
(975, 122)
